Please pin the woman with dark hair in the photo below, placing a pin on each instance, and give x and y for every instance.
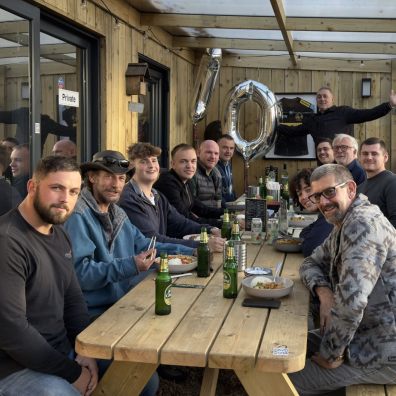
(314, 234)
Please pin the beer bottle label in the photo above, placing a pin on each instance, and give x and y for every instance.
(168, 295)
(226, 280)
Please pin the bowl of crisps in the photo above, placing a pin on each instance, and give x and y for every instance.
(179, 263)
(267, 286)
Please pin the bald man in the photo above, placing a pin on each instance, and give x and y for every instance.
(65, 148)
(206, 183)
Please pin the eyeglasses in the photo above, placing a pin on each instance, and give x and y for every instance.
(342, 148)
(328, 193)
(108, 161)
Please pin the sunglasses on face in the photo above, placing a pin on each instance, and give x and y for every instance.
(328, 193)
(108, 161)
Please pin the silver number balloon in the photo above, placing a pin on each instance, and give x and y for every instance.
(204, 86)
(270, 114)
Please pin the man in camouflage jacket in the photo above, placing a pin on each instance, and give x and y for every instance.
(353, 274)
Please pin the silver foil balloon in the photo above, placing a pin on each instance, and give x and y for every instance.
(204, 86)
(270, 115)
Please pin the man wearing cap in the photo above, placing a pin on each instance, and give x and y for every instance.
(150, 210)
(110, 254)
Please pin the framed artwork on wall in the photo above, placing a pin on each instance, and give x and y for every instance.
(294, 108)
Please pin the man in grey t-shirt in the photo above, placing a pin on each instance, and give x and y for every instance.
(380, 186)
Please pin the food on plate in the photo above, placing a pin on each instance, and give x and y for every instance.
(268, 285)
(262, 282)
(179, 260)
(297, 218)
(288, 241)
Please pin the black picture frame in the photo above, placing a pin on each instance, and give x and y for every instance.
(294, 107)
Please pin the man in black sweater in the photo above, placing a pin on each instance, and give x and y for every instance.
(331, 119)
(42, 308)
(175, 185)
(380, 186)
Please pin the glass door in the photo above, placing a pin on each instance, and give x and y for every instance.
(19, 114)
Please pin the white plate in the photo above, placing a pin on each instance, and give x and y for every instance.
(301, 221)
(192, 237)
(249, 282)
(180, 268)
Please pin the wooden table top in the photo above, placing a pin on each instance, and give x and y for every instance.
(204, 329)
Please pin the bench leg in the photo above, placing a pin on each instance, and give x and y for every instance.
(209, 382)
(266, 384)
(125, 379)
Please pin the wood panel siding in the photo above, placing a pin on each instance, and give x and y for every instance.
(120, 46)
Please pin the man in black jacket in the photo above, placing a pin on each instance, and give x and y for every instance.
(331, 119)
(175, 185)
(149, 210)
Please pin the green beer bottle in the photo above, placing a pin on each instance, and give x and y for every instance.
(226, 227)
(285, 185)
(163, 288)
(262, 188)
(235, 234)
(230, 273)
(203, 269)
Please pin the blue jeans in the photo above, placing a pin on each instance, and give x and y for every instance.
(27, 382)
(32, 383)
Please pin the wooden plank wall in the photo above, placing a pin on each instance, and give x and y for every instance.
(122, 46)
(347, 89)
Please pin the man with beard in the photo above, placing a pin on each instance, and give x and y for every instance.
(353, 275)
(110, 254)
(42, 308)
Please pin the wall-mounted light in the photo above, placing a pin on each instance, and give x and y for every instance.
(25, 90)
(366, 87)
(135, 78)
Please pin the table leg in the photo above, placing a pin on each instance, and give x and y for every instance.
(209, 382)
(266, 384)
(125, 379)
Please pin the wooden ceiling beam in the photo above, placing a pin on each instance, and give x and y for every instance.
(277, 6)
(284, 62)
(209, 21)
(217, 42)
(372, 25)
(277, 45)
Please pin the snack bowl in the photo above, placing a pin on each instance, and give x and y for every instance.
(179, 263)
(288, 244)
(255, 286)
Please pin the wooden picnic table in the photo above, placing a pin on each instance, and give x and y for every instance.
(204, 330)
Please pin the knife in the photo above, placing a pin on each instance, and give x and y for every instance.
(187, 286)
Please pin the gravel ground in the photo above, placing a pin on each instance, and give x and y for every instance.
(228, 385)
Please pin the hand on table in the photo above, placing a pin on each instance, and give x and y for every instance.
(143, 260)
(322, 362)
(92, 367)
(216, 244)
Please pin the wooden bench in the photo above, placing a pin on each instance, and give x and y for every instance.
(371, 390)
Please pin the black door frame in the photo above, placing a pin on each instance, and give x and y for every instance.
(90, 75)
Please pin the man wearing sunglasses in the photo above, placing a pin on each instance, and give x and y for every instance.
(353, 276)
(345, 149)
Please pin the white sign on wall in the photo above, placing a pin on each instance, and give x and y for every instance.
(68, 98)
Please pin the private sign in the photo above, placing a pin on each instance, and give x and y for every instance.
(68, 98)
